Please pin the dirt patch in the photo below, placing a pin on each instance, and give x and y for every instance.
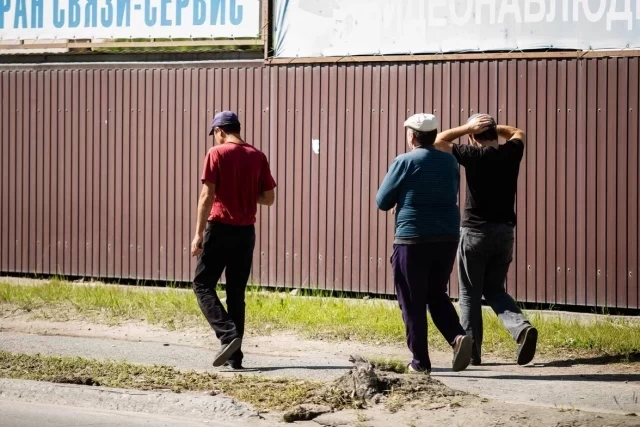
(76, 380)
(305, 413)
(365, 385)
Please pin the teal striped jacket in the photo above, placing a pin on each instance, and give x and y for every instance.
(423, 186)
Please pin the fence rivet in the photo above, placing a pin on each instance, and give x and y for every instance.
(559, 269)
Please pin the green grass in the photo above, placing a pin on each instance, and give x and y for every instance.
(262, 393)
(389, 365)
(371, 321)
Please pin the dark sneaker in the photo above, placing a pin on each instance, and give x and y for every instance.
(462, 353)
(527, 346)
(476, 361)
(232, 364)
(226, 351)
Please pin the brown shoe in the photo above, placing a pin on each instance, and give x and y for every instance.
(462, 353)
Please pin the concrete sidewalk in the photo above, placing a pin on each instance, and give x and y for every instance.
(20, 413)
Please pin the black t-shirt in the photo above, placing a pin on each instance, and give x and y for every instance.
(492, 180)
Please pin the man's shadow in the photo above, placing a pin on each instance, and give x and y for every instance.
(633, 357)
(257, 369)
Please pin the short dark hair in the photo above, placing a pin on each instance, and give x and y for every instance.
(425, 139)
(231, 129)
(490, 134)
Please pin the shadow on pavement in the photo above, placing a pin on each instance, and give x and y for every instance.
(311, 368)
(599, 360)
(578, 377)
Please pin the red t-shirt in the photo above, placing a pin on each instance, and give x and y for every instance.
(240, 172)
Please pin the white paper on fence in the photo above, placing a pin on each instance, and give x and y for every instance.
(308, 28)
(123, 19)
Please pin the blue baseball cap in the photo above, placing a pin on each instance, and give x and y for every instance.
(224, 118)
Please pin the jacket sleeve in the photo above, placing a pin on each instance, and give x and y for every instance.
(388, 193)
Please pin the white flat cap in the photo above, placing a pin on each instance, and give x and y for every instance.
(422, 122)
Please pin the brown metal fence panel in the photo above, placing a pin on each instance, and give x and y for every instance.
(100, 169)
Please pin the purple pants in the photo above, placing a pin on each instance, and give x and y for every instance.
(421, 273)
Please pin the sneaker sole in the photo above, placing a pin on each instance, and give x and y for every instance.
(225, 354)
(528, 350)
(462, 358)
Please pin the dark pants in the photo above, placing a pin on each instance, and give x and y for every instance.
(230, 249)
(483, 264)
(421, 273)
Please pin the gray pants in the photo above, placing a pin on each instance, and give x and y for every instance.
(484, 257)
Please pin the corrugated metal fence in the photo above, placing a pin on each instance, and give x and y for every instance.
(100, 168)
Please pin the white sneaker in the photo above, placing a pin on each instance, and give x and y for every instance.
(412, 370)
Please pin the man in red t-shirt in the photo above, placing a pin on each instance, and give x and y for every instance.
(236, 179)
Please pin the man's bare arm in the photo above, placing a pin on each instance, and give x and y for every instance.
(267, 198)
(509, 132)
(204, 208)
(445, 140)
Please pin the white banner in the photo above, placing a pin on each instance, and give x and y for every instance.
(109, 19)
(305, 28)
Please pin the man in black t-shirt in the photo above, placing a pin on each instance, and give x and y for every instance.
(487, 236)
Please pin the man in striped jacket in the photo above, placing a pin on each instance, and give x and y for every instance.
(423, 187)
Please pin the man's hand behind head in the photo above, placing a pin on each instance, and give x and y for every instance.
(480, 123)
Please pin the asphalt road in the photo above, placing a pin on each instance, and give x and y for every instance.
(565, 387)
